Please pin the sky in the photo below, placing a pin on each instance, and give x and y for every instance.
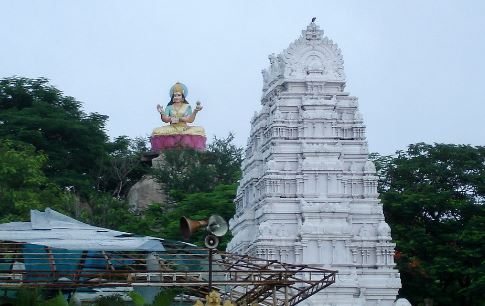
(417, 67)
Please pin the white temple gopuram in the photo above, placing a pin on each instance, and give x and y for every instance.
(308, 194)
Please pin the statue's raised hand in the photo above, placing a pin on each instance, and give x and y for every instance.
(160, 109)
(198, 106)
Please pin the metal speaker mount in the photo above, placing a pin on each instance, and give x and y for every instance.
(217, 225)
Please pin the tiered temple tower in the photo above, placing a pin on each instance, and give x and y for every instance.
(309, 192)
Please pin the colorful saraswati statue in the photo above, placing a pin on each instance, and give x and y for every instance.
(178, 113)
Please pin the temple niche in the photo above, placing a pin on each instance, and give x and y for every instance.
(308, 194)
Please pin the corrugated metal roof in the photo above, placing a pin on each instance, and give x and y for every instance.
(53, 229)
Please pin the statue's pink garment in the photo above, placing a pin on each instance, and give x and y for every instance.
(163, 142)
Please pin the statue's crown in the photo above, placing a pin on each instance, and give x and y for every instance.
(179, 87)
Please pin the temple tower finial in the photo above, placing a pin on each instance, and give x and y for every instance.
(313, 31)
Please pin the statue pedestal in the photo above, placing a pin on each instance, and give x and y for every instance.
(164, 142)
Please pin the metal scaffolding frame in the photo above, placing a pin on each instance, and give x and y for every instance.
(242, 279)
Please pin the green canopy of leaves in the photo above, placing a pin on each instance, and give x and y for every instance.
(23, 184)
(185, 171)
(434, 198)
(196, 206)
(79, 153)
(34, 112)
(200, 183)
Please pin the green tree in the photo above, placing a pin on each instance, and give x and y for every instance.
(186, 171)
(23, 184)
(122, 167)
(197, 206)
(104, 210)
(433, 198)
(34, 112)
(226, 158)
(67, 162)
(110, 300)
(200, 183)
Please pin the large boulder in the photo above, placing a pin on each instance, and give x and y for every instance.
(145, 192)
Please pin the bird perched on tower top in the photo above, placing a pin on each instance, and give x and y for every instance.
(313, 19)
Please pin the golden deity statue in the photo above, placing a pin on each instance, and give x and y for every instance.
(178, 113)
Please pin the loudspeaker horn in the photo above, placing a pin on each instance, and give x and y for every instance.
(188, 226)
(211, 241)
(217, 225)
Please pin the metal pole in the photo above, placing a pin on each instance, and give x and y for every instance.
(210, 270)
(286, 295)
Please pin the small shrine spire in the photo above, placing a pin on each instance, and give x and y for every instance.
(313, 31)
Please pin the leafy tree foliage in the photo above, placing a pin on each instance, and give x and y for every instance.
(77, 154)
(185, 171)
(164, 298)
(109, 300)
(122, 167)
(197, 206)
(201, 184)
(34, 112)
(56, 155)
(226, 159)
(433, 198)
(102, 209)
(23, 184)
(38, 297)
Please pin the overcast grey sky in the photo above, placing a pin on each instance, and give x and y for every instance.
(417, 67)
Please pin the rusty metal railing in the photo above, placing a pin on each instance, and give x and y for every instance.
(243, 279)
